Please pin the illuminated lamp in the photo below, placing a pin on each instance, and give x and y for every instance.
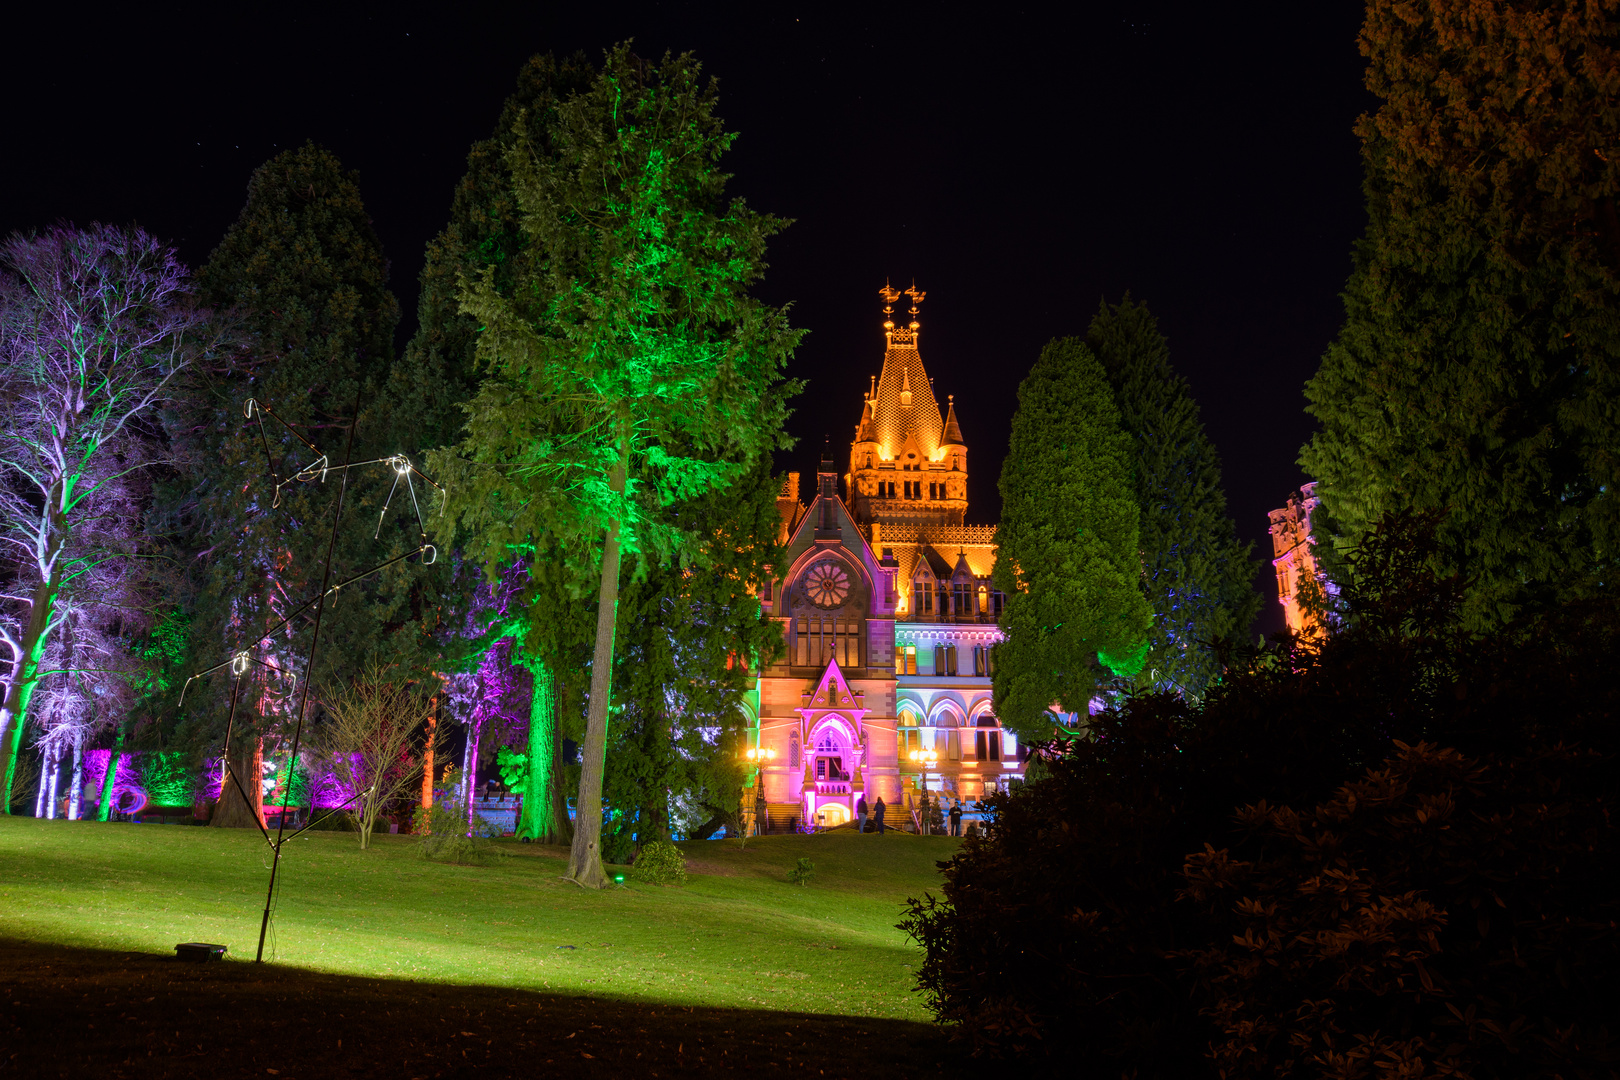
(618, 879)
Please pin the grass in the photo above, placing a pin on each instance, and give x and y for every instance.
(738, 936)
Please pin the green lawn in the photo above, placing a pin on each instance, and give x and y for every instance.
(737, 935)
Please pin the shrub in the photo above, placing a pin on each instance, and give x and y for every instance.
(445, 835)
(1153, 903)
(802, 872)
(333, 821)
(660, 863)
(1440, 915)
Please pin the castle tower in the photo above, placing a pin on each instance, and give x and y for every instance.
(907, 465)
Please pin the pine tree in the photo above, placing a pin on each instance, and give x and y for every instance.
(631, 371)
(1476, 371)
(1197, 577)
(303, 269)
(485, 233)
(692, 638)
(1067, 547)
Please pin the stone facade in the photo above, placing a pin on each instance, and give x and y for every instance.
(888, 614)
(1294, 558)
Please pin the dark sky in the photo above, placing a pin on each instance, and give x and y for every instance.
(1020, 165)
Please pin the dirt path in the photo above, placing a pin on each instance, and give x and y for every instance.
(82, 1013)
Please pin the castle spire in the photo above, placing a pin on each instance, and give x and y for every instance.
(953, 433)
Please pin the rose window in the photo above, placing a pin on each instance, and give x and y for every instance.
(827, 584)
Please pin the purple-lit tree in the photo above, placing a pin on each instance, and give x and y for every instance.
(95, 326)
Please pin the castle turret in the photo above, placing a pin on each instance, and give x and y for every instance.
(907, 464)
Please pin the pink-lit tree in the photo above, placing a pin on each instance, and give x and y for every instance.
(95, 327)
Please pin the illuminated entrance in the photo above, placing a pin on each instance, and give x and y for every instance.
(833, 814)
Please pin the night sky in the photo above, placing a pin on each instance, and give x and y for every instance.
(1018, 165)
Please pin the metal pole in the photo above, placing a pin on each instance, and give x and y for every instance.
(309, 670)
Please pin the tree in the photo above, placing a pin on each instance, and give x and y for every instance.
(691, 640)
(631, 370)
(1196, 576)
(1254, 877)
(304, 270)
(97, 327)
(1477, 367)
(485, 233)
(368, 740)
(1067, 548)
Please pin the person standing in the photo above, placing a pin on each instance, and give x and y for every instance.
(877, 815)
(762, 820)
(860, 815)
(956, 818)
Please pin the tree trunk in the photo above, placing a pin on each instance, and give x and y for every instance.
(14, 714)
(104, 811)
(536, 821)
(232, 812)
(427, 757)
(76, 793)
(43, 807)
(585, 859)
(561, 827)
(469, 775)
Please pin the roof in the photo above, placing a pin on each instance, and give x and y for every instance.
(903, 376)
(953, 433)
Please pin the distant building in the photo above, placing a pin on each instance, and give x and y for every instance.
(889, 615)
(1293, 547)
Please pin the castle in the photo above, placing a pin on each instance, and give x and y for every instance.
(889, 617)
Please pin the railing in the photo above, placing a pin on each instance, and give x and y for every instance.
(832, 787)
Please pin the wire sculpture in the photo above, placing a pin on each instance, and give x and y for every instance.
(241, 661)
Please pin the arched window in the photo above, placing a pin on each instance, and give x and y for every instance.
(909, 737)
(832, 756)
(793, 751)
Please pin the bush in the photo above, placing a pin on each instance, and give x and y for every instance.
(660, 863)
(802, 872)
(445, 835)
(1154, 908)
(334, 821)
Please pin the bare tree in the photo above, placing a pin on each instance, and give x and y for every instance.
(95, 326)
(374, 739)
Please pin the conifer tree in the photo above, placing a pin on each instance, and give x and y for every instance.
(485, 233)
(692, 639)
(303, 268)
(1197, 577)
(631, 370)
(1067, 548)
(1479, 363)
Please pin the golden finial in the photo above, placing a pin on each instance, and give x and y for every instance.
(917, 296)
(890, 294)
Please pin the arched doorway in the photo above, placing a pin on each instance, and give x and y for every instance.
(833, 814)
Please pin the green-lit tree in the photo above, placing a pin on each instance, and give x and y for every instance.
(303, 268)
(1067, 547)
(1476, 371)
(692, 638)
(1197, 577)
(631, 370)
(485, 233)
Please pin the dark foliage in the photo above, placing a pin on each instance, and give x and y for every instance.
(1100, 924)
(1196, 576)
(1479, 361)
